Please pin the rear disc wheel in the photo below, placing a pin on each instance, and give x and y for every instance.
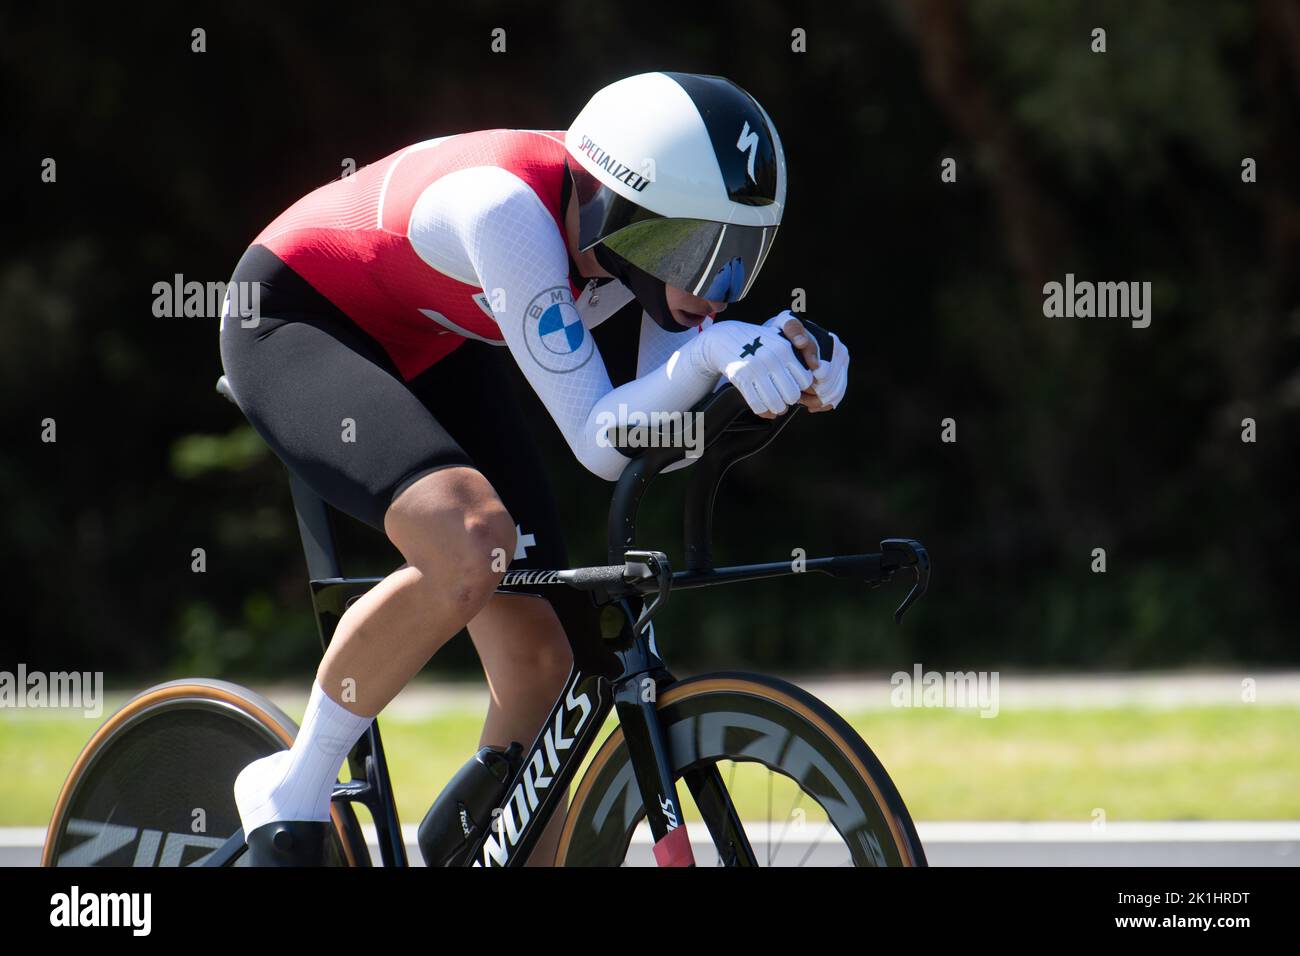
(154, 786)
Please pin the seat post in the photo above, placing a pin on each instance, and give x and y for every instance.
(316, 531)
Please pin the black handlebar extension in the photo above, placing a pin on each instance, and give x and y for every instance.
(730, 432)
(736, 432)
(647, 573)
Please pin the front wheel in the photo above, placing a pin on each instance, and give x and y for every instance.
(807, 790)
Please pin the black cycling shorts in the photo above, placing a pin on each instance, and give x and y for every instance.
(304, 368)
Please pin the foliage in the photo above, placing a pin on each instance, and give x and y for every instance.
(1072, 434)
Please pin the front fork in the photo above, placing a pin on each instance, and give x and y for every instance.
(650, 753)
(634, 700)
(636, 696)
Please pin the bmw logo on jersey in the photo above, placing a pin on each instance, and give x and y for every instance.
(553, 329)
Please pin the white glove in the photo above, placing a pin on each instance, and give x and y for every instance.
(779, 320)
(831, 376)
(758, 361)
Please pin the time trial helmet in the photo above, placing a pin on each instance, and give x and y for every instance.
(680, 176)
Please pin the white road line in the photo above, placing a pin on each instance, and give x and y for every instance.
(19, 837)
(1154, 831)
(1147, 831)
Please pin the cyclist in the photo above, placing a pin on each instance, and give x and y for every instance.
(392, 303)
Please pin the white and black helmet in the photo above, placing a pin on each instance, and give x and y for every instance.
(683, 177)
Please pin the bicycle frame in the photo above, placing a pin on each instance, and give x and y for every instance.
(616, 664)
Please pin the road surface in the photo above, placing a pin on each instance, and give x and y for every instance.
(960, 844)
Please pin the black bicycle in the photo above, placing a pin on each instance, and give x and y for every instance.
(773, 775)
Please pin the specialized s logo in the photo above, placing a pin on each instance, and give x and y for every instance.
(748, 142)
(554, 333)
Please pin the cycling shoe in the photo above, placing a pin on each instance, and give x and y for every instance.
(290, 843)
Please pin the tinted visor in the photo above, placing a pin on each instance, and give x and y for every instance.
(710, 259)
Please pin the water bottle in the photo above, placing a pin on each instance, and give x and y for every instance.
(463, 810)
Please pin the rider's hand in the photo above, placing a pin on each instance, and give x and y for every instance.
(761, 364)
(830, 377)
(806, 346)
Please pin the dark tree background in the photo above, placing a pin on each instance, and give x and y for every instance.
(1073, 434)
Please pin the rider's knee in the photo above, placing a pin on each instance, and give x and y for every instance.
(489, 540)
(478, 557)
(457, 532)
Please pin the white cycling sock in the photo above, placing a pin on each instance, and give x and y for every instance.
(295, 784)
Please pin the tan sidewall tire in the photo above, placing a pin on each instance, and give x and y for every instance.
(712, 684)
(264, 713)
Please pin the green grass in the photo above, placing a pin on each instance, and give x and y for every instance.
(1188, 763)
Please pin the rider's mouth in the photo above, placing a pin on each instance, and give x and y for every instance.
(690, 318)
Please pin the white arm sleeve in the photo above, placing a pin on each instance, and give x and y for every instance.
(655, 346)
(518, 257)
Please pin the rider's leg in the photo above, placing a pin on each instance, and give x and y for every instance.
(447, 525)
(526, 657)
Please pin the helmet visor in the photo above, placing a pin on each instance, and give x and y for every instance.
(715, 260)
